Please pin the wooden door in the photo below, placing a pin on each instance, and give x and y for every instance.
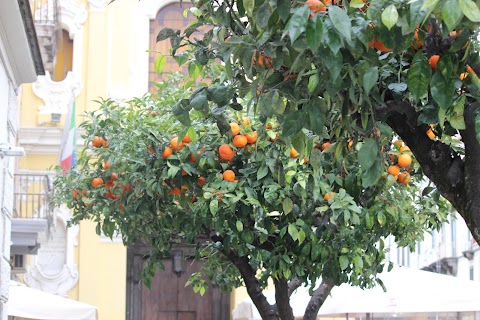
(168, 298)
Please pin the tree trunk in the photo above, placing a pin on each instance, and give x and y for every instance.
(457, 179)
(317, 300)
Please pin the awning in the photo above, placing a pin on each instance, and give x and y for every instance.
(30, 303)
(408, 291)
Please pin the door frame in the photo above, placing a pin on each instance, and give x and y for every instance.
(135, 259)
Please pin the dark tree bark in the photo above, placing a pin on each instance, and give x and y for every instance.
(317, 300)
(457, 179)
(282, 299)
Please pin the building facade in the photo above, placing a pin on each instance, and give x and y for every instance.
(20, 62)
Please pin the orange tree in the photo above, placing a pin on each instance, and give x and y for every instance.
(188, 169)
(349, 72)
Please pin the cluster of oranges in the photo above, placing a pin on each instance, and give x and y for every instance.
(399, 170)
(227, 153)
(98, 142)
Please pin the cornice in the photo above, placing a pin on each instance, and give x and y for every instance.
(44, 140)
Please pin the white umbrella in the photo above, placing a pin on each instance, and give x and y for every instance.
(30, 303)
(408, 291)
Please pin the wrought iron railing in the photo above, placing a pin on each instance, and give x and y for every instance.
(46, 11)
(32, 196)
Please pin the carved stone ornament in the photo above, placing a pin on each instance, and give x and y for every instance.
(97, 5)
(57, 96)
(73, 16)
(54, 270)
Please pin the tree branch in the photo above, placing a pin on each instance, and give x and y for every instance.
(317, 299)
(266, 310)
(457, 179)
(282, 299)
(293, 285)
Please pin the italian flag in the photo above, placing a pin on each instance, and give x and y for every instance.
(67, 155)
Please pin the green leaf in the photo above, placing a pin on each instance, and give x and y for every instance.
(294, 122)
(283, 9)
(239, 226)
(470, 10)
(287, 205)
(214, 206)
(316, 116)
(390, 16)
(369, 222)
(367, 154)
(381, 218)
(249, 6)
(457, 119)
(301, 236)
(429, 4)
(315, 32)
(293, 232)
(451, 14)
(341, 21)
(343, 261)
(297, 23)
(442, 90)
(418, 76)
(262, 172)
(165, 33)
(358, 262)
(160, 62)
(370, 78)
(263, 14)
(312, 82)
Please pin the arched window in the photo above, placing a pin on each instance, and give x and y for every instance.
(64, 56)
(170, 16)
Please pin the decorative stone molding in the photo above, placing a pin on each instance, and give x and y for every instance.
(73, 16)
(56, 95)
(44, 140)
(54, 270)
(151, 7)
(97, 5)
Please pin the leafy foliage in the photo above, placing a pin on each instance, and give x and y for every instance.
(303, 77)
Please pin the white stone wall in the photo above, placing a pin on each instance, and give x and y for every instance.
(8, 129)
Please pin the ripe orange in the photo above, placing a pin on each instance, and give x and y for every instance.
(106, 165)
(97, 142)
(246, 122)
(201, 181)
(186, 139)
(176, 191)
(184, 173)
(167, 152)
(105, 143)
(262, 60)
(404, 160)
(316, 6)
(251, 138)
(113, 177)
(268, 126)
(235, 128)
(96, 182)
(153, 113)
(109, 185)
(463, 75)
(433, 60)
(192, 158)
(226, 152)
(393, 170)
(430, 134)
(293, 153)
(325, 145)
(75, 193)
(404, 148)
(378, 45)
(404, 177)
(229, 175)
(240, 141)
(175, 145)
(470, 70)
(328, 196)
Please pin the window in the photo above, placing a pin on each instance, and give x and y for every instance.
(170, 16)
(17, 262)
(64, 56)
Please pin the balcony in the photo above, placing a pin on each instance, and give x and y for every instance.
(46, 16)
(32, 212)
